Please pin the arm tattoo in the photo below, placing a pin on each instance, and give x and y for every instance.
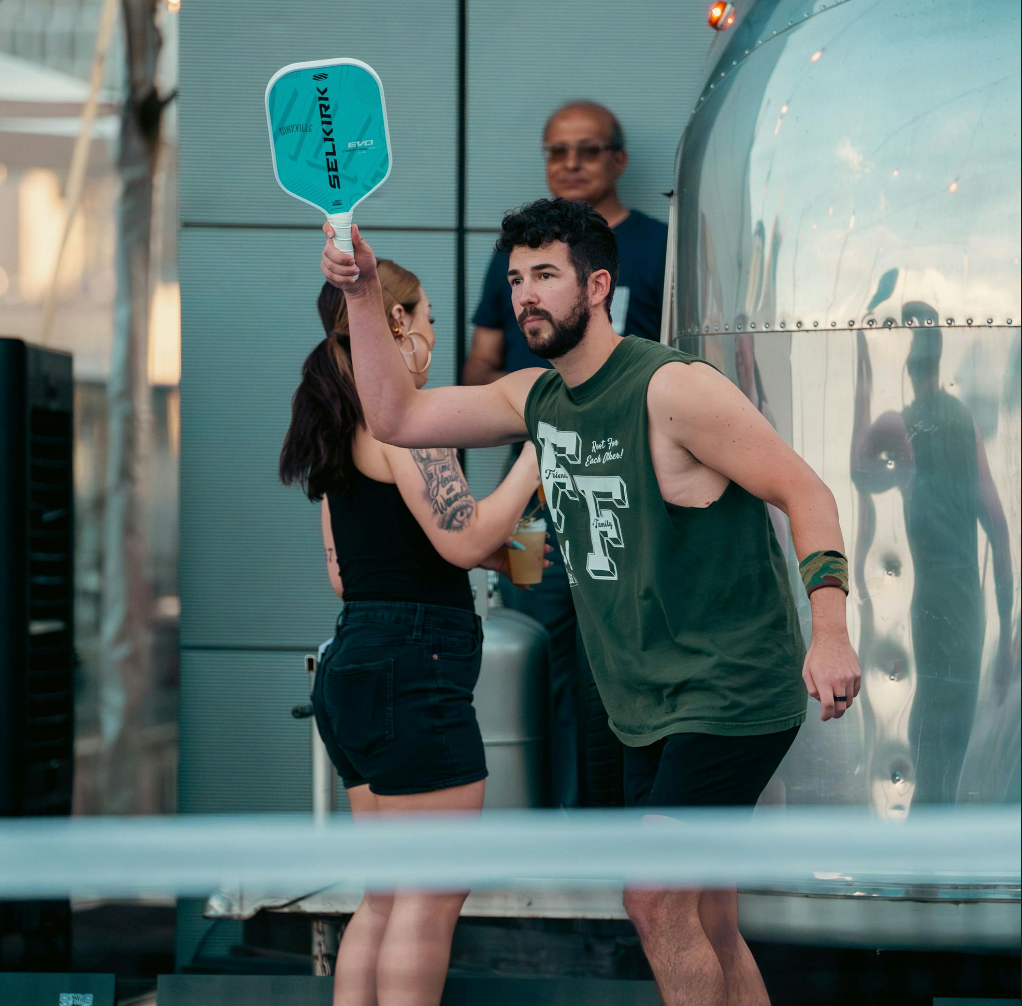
(329, 556)
(449, 496)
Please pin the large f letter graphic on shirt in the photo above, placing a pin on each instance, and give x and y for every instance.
(557, 483)
(604, 527)
(597, 490)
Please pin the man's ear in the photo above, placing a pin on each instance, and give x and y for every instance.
(620, 160)
(599, 288)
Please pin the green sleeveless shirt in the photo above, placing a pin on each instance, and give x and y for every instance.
(687, 614)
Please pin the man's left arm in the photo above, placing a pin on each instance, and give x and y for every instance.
(702, 411)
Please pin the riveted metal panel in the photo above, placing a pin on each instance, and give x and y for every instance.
(831, 177)
(917, 434)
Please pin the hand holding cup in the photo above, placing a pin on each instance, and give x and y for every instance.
(526, 562)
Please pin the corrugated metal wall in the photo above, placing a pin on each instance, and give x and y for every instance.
(254, 591)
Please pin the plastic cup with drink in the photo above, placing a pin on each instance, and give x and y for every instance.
(526, 562)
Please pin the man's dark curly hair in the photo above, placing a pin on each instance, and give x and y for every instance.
(590, 241)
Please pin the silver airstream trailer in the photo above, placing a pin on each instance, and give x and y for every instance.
(845, 241)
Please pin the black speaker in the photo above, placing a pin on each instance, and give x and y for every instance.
(36, 580)
(37, 656)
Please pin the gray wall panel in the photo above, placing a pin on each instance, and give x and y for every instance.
(483, 466)
(252, 570)
(231, 48)
(478, 251)
(246, 752)
(641, 60)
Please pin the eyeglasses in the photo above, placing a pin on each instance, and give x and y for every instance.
(557, 152)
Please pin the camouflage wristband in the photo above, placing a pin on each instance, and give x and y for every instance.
(824, 569)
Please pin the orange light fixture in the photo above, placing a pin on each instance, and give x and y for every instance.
(722, 15)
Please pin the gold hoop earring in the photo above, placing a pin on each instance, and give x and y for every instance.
(429, 352)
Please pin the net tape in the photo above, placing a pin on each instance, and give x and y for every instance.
(193, 854)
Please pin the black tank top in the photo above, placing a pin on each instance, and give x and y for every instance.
(384, 555)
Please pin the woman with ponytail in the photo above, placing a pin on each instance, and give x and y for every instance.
(393, 694)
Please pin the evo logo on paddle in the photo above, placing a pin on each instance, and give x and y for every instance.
(75, 999)
(329, 146)
(359, 144)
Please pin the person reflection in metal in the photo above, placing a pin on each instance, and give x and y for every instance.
(933, 452)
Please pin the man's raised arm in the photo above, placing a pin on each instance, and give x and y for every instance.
(396, 411)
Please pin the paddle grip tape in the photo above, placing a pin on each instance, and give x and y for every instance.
(341, 223)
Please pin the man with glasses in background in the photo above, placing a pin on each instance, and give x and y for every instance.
(584, 148)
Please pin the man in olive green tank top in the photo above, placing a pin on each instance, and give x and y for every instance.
(657, 471)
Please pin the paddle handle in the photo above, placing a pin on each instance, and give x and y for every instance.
(341, 223)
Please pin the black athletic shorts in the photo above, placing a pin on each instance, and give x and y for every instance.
(703, 770)
(393, 697)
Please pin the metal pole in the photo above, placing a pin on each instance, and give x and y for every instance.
(324, 780)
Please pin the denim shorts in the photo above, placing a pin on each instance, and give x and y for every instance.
(393, 697)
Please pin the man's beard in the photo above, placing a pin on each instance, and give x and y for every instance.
(564, 335)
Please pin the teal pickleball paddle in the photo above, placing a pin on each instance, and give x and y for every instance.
(329, 137)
